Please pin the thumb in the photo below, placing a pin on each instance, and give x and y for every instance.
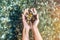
(23, 18)
(37, 16)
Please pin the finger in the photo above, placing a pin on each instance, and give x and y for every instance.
(37, 19)
(26, 11)
(37, 16)
(33, 10)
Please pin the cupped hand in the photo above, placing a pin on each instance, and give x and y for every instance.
(26, 26)
(36, 22)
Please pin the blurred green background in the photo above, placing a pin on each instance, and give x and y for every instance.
(10, 18)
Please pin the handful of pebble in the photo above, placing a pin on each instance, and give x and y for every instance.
(30, 17)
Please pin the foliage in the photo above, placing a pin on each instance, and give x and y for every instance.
(11, 22)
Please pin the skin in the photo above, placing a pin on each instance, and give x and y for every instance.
(32, 26)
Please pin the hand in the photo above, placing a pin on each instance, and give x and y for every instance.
(34, 27)
(36, 22)
(25, 34)
(26, 26)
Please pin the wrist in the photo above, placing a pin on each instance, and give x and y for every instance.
(27, 29)
(34, 27)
